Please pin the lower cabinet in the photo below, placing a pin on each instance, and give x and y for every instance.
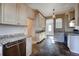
(22, 47)
(17, 48)
(10, 49)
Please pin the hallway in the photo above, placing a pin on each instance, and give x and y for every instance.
(48, 48)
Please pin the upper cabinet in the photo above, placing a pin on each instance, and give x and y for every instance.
(21, 14)
(9, 13)
(40, 23)
(14, 14)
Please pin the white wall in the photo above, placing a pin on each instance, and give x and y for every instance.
(59, 37)
(8, 29)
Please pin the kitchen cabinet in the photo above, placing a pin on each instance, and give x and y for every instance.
(21, 14)
(11, 49)
(22, 47)
(17, 48)
(40, 36)
(14, 14)
(59, 37)
(73, 42)
(40, 22)
(9, 13)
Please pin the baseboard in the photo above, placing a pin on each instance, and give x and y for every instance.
(40, 41)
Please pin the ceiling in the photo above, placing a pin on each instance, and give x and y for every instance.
(47, 8)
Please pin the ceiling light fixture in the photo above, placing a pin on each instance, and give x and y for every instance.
(53, 16)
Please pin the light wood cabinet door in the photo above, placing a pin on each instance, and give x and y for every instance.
(9, 13)
(22, 47)
(21, 13)
(16, 14)
(40, 22)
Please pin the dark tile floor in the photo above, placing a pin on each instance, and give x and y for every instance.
(50, 48)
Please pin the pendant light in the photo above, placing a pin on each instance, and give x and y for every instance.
(53, 16)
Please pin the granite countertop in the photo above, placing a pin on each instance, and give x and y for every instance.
(69, 33)
(72, 33)
(11, 37)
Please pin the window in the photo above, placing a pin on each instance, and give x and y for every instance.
(50, 28)
(58, 23)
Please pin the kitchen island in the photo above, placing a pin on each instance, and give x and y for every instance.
(73, 42)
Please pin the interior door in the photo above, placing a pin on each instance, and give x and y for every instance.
(49, 27)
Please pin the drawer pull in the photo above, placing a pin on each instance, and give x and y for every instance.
(10, 46)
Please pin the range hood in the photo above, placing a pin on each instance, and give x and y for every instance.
(76, 30)
(76, 27)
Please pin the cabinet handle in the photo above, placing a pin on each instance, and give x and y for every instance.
(10, 46)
